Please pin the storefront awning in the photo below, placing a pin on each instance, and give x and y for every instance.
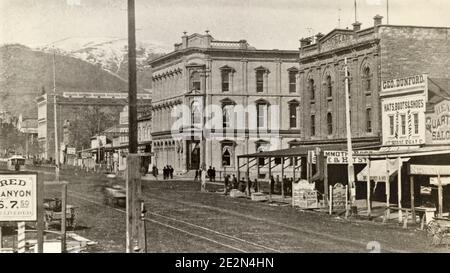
(378, 170)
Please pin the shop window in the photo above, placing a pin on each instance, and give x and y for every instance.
(416, 123)
(403, 124)
(391, 125)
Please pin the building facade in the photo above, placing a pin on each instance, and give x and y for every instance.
(214, 100)
(375, 54)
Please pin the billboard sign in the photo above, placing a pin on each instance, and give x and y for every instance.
(438, 124)
(18, 197)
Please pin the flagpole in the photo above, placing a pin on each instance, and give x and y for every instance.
(387, 11)
(351, 171)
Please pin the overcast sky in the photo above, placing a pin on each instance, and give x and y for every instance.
(265, 24)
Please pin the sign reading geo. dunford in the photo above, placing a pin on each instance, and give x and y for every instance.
(18, 197)
(404, 83)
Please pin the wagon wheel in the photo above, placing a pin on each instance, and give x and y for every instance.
(435, 231)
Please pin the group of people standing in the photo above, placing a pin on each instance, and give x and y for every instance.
(233, 183)
(168, 172)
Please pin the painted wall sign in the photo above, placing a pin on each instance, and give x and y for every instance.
(341, 157)
(438, 124)
(403, 120)
(18, 197)
(417, 81)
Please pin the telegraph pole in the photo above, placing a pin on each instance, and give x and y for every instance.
(351, 170)
(55, 118)
(135, 235)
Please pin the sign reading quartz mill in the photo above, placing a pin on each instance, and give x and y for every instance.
(18, 197)
(438, 124)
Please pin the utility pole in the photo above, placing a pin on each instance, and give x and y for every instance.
(55, 119)
(387, 11)
(351, 170)
(135, 234)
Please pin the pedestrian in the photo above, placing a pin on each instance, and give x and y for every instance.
(249, 186)
(227, 181)
(165, 173)
(255, 185)
(213, 174)
(171, 172)
(272, 184)
(235, 182)
(196, 176)
(209, 173)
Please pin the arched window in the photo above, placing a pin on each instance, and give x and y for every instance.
(227, 155)
(330, 123)
(195, 80)
(262, 114)
(369, 120)
(293, 81)
(367, 79)
(293, 115)
(225, 73)
(313, 125)
(196, 114)
(311, 88)
(329, 85)
(260, 81)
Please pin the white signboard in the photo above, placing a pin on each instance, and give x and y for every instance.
(71, 151)
(434, 170)
(18, 197)
(444, 181)
(413, 82)
(403, 120)
(438, 124)
(341, 157)
(304, 195)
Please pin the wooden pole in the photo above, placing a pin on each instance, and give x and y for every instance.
(325, 179)
(135, 228)
(63, 217)
(132, 80)
(1, 236)
(40, 215)
(239, 170)
(399, 191)
(388, 189)
(247, 178)
(440, 196)
(346, 201)
(330, 205)
(270, 179)
(282, 177)
(294, 165)
(413, 207)
(21, 240)
(369, 209)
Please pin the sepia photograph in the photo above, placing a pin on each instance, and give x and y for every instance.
(224, 127)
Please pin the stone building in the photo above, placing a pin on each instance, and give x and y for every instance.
(255, 91)
(375, 54)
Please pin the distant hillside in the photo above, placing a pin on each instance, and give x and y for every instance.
(111, 53)
(24, 73)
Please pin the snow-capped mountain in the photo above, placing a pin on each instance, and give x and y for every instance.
(109, 53)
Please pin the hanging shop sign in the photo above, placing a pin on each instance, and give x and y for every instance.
(71, 151)
(304, 195)
(18, 197)
(403, 120)
(438, 124)
(444, 181)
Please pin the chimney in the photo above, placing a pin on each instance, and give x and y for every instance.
(184, 38)
(319, 36)
(305, 42)
(356, 26)
(208, 38)
(377, 20)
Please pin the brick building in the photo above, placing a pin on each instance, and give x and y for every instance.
(230, 75)
(375, 54)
